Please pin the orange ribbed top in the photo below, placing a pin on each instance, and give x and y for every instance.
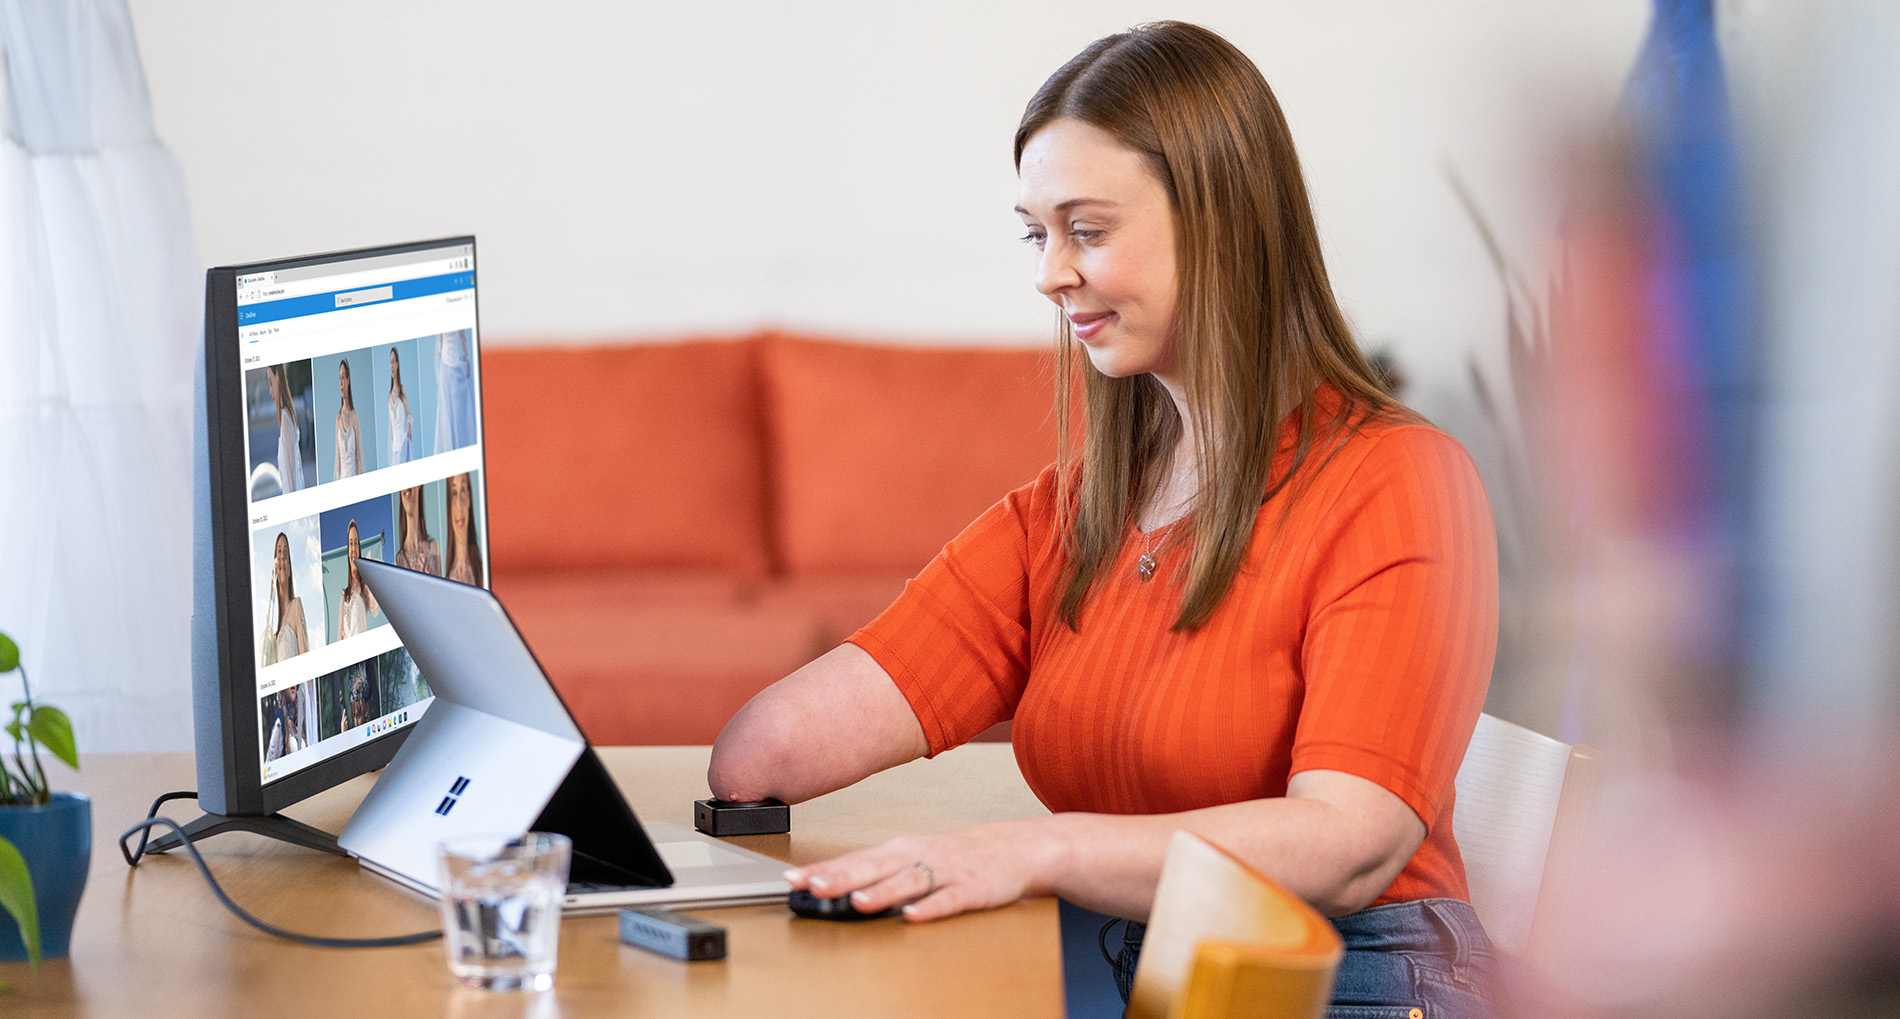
(1358, 638)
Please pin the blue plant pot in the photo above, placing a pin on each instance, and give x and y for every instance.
(56, 839)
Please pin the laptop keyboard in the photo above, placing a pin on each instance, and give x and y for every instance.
(592, 887)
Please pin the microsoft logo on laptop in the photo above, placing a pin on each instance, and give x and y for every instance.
(459, 786)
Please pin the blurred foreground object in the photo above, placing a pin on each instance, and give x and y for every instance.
(1226, 941)
(1710, 429)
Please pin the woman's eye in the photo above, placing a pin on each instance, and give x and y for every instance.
(1085, 236)
(1036, 237)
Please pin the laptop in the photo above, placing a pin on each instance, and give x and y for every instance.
(498, 751)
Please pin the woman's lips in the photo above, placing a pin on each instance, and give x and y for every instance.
(1087, 325)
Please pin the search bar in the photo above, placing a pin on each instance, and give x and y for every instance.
(365, 296)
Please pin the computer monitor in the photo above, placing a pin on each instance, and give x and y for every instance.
(340, 415)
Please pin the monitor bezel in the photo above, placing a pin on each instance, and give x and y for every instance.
(245, 791)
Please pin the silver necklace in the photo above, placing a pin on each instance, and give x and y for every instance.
(1145, 566)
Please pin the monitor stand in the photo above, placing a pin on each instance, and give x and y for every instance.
(274, 826)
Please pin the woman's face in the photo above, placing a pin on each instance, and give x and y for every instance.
(409, 496)
(395, 367)
(1105, 231)
(356, 544)
(459, 503)
(343, 379)
(282, 563)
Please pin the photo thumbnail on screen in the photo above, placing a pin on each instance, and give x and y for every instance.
(400, 392)
(283, 442)
(285, 716)
(349, 698)
(400, 683)
(454, 391)
(348, 432)
(359, 530)
(288, 563)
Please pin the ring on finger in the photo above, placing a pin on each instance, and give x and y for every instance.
(929, 874)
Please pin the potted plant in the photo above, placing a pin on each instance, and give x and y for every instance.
(45, 837)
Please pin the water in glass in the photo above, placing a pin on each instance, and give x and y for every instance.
(501, 910)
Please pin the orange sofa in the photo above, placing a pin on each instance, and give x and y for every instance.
(674, 526)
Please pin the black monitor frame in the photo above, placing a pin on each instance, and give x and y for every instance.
(224, 671)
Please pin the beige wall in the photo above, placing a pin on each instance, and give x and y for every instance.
(648, 170)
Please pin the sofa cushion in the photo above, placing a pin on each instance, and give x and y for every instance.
(641, 455)
(656, 658)
(882, 454)
(618, 590)
(841, 603)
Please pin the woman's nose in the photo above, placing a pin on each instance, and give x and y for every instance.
(1055, 270)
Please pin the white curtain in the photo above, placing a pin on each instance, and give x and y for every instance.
(99, 315)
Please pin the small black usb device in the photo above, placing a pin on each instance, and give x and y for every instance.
(672, 934)
(737, 817)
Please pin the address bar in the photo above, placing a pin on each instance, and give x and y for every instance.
(349, 280)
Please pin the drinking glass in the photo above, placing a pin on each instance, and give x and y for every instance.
(501, 908)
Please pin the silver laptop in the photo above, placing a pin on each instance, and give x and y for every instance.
(497, 751)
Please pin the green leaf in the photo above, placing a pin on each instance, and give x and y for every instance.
(16, 897)
(16, 730)
(9, 654)
(54, 730)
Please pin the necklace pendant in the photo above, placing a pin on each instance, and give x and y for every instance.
(1145, 566)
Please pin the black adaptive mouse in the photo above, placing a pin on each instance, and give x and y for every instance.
(808, 905)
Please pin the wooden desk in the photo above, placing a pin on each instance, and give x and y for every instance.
(155, 941)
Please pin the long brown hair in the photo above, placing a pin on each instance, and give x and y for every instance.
(402, 518)
(287, 591)
(1256, 328)
(353, 586)
(471, 550)
(396, 388)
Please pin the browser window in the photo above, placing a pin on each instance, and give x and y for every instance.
(362, 388)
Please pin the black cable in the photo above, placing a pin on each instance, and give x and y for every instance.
(132, 859)
(143, 829)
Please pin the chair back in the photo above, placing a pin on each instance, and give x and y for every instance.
(1519, 794)
(1226, 941)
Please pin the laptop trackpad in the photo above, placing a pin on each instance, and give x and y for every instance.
(697, 855)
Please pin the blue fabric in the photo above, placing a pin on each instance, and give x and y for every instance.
(1088, 976)
(1430, 954)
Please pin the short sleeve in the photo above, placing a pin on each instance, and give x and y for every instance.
(956, 642)
(1403, 629)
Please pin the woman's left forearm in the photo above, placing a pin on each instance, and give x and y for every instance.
(1318, 850)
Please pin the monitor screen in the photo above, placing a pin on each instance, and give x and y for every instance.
(361, 437)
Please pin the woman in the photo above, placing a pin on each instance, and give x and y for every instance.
(289, 436)
(356, 603)
(288, 733)
(415, 550)
(401, 427)
(284, 633)
(362, 705)
(454, 393)
(465, 547)
(1232, 615)
(349, 439)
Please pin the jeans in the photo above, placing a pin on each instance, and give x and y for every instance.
(1426, 959)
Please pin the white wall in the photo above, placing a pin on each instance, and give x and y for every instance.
(650, 169)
